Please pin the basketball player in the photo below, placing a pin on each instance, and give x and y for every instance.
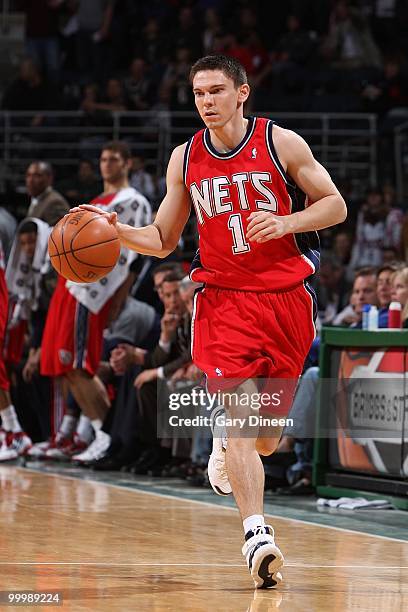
(78, 314)
(258, 244)
(13, 440)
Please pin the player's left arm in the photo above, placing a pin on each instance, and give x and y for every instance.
(326, 205)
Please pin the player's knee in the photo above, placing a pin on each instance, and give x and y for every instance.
(266, 446)
(77, 374)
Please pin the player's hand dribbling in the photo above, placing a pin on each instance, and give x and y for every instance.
(111, 217)
(264, 226)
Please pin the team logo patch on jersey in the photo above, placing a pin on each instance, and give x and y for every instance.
(218, 372)
(254, 153)
(65, 357)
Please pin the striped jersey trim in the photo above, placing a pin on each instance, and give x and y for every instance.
(212, 151)
(273, 155)
(186, 159)
(199, 291)
(313, 298)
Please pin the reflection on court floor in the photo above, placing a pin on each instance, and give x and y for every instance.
(109, 548)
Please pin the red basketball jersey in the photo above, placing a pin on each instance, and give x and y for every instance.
(225, 188)
(103, 199)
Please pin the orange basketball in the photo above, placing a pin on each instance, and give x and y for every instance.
(84, 247)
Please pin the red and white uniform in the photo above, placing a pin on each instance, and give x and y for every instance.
(4, 381)
(255, 316)
(73, 334)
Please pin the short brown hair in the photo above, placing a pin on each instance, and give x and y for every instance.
(228, 65)
(393, 266)
(167, 266)
(118, 146)
(366, 271)
(173, 277)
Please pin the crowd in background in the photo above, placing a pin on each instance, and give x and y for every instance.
(105, 55)
(100, 56)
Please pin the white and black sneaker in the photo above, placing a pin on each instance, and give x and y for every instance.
(263, 557)
(217, 471)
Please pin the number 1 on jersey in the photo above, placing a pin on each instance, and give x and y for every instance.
(240, 244)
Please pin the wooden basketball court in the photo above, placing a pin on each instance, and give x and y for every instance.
(109, 548)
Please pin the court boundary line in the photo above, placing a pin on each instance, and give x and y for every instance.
(210, 504)
(106, 564)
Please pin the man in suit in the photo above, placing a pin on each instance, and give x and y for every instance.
(46, 203)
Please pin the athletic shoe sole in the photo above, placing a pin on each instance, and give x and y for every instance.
(265, 561)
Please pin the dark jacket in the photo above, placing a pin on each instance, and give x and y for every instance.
(180, 350)
(50, 206)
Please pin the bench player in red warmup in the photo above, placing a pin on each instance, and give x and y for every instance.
(258, 244)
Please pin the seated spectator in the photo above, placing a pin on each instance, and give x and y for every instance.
(363, 292)
(399, 292)
(187, 31)
(140, 179)
(349, 43)
(46, 203)
(114, 99)
(378, 226)
(387, 90)
(90, 97)
(212, 29)
(84, 185)
(177, 78)
(342, 245)
(147, 287)
(384, 290)
(138, 86)
(295, 45)
(332, 289)
(151, 45)
(160, 118)
(29, 92)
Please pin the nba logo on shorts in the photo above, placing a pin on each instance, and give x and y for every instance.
(218, 372)
(65, 357)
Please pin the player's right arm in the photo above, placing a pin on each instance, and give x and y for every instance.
(161, 237)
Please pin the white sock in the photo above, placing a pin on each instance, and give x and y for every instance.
(10, 420)
(97, 424)
(68, 424)
(84, 430)
(252, 522)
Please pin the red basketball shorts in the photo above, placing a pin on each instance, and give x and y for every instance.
(73, 336)
(4, 381)
(240, 335)
(14, 343)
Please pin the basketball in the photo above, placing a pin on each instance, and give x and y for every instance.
(84, 247)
